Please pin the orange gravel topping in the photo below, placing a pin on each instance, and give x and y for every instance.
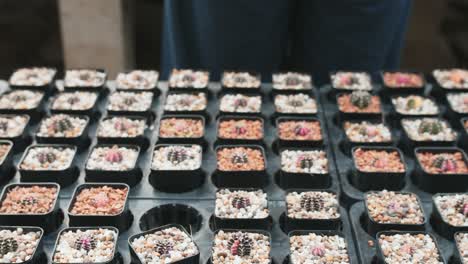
(443, 163)
(403, 80)
(4, 149)
(240, 129)
(345, 105)
(240, 159)
(103, 200)
(29, 200)
(181, 128)
(378, 160)
(299, 130)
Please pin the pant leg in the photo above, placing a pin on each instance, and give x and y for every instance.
(351, 35)
(228, 34)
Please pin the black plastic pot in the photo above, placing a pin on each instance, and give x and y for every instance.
(241, 223)
(38, 256)
(389, 90)
(346, 145)
(34, 113)
(131, 177)
(148, 113)
(229, 141)
(141, 140)
(366, 181)
(444, 182)
(288, 180)
(265, 233)
(101, 89)
(48, 222)
(176, 181)
(121, 221)
(335, 90)
(63, 177)
(346, 116)
(184, 140)
(82, 141)
(457, 254)
(240, 179)
(238, 89)
(154, 89)
(440, 225)
(308, 89)
(115, 258)
(7, 169)
(180, 214)
(374, 227)
(92, 112)
(224, 113)
(396, 116)
(48, 88)
(136, 260)
(312, 224)
(283, 143)
(21, 141)
(277, 114)
(203, 112)
(380, 255)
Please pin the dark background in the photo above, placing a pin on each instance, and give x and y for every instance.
(30, 34)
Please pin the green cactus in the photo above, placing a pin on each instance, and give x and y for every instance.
(361, 99)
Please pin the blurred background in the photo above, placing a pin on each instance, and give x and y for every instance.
(124, 34)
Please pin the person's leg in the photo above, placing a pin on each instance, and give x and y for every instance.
(351, 35)
(228, 34)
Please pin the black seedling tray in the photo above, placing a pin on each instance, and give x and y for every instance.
(342, 155)
(367, 244)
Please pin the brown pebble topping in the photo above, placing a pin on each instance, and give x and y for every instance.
(378, 160)
(240, 159)
(29, 200)
(103, 200)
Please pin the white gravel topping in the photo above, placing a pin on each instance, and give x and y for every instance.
(412, 128)
(240, 204)
(367, 132)
(240, 80)
(241, 248)
(239, 103)
(165, 246)
(318, 249)
(137, 79)
(189, 79)
(292, 81)
(415, 105)
(85, 246)
(62, 125)
(21, 245)
(20, 99)
(177, 157)
(461, 240)
(130, 101)
(312, 205)
(309, 161)
(409, 248)
(458, 102)
(295, 104)
(12, 125)
(115, 158)
(84, 78)
(185, 102)
(352, 81)
(48, 158)
(121, 126)
(453, 208)
(77, 100)
(35, 76)
(452, 78)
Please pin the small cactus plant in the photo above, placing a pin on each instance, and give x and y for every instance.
(46, 157)
(292, 80)
(318, 251)
(311, 203)
(432, 127)
(62, 125)
(240, 102)
(176, 156)
(295, 103)
(240, 245)
(239, 202)
(8, 245)
(445, 163)
(163, 247)
(113, 155)
(100, 200)
(239, 158)
(28, 201)
(361, 99)
(240, 130)
(85, 243)
(302, 131)
(306, 162)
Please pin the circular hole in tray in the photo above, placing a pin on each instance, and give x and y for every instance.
(181, 214)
